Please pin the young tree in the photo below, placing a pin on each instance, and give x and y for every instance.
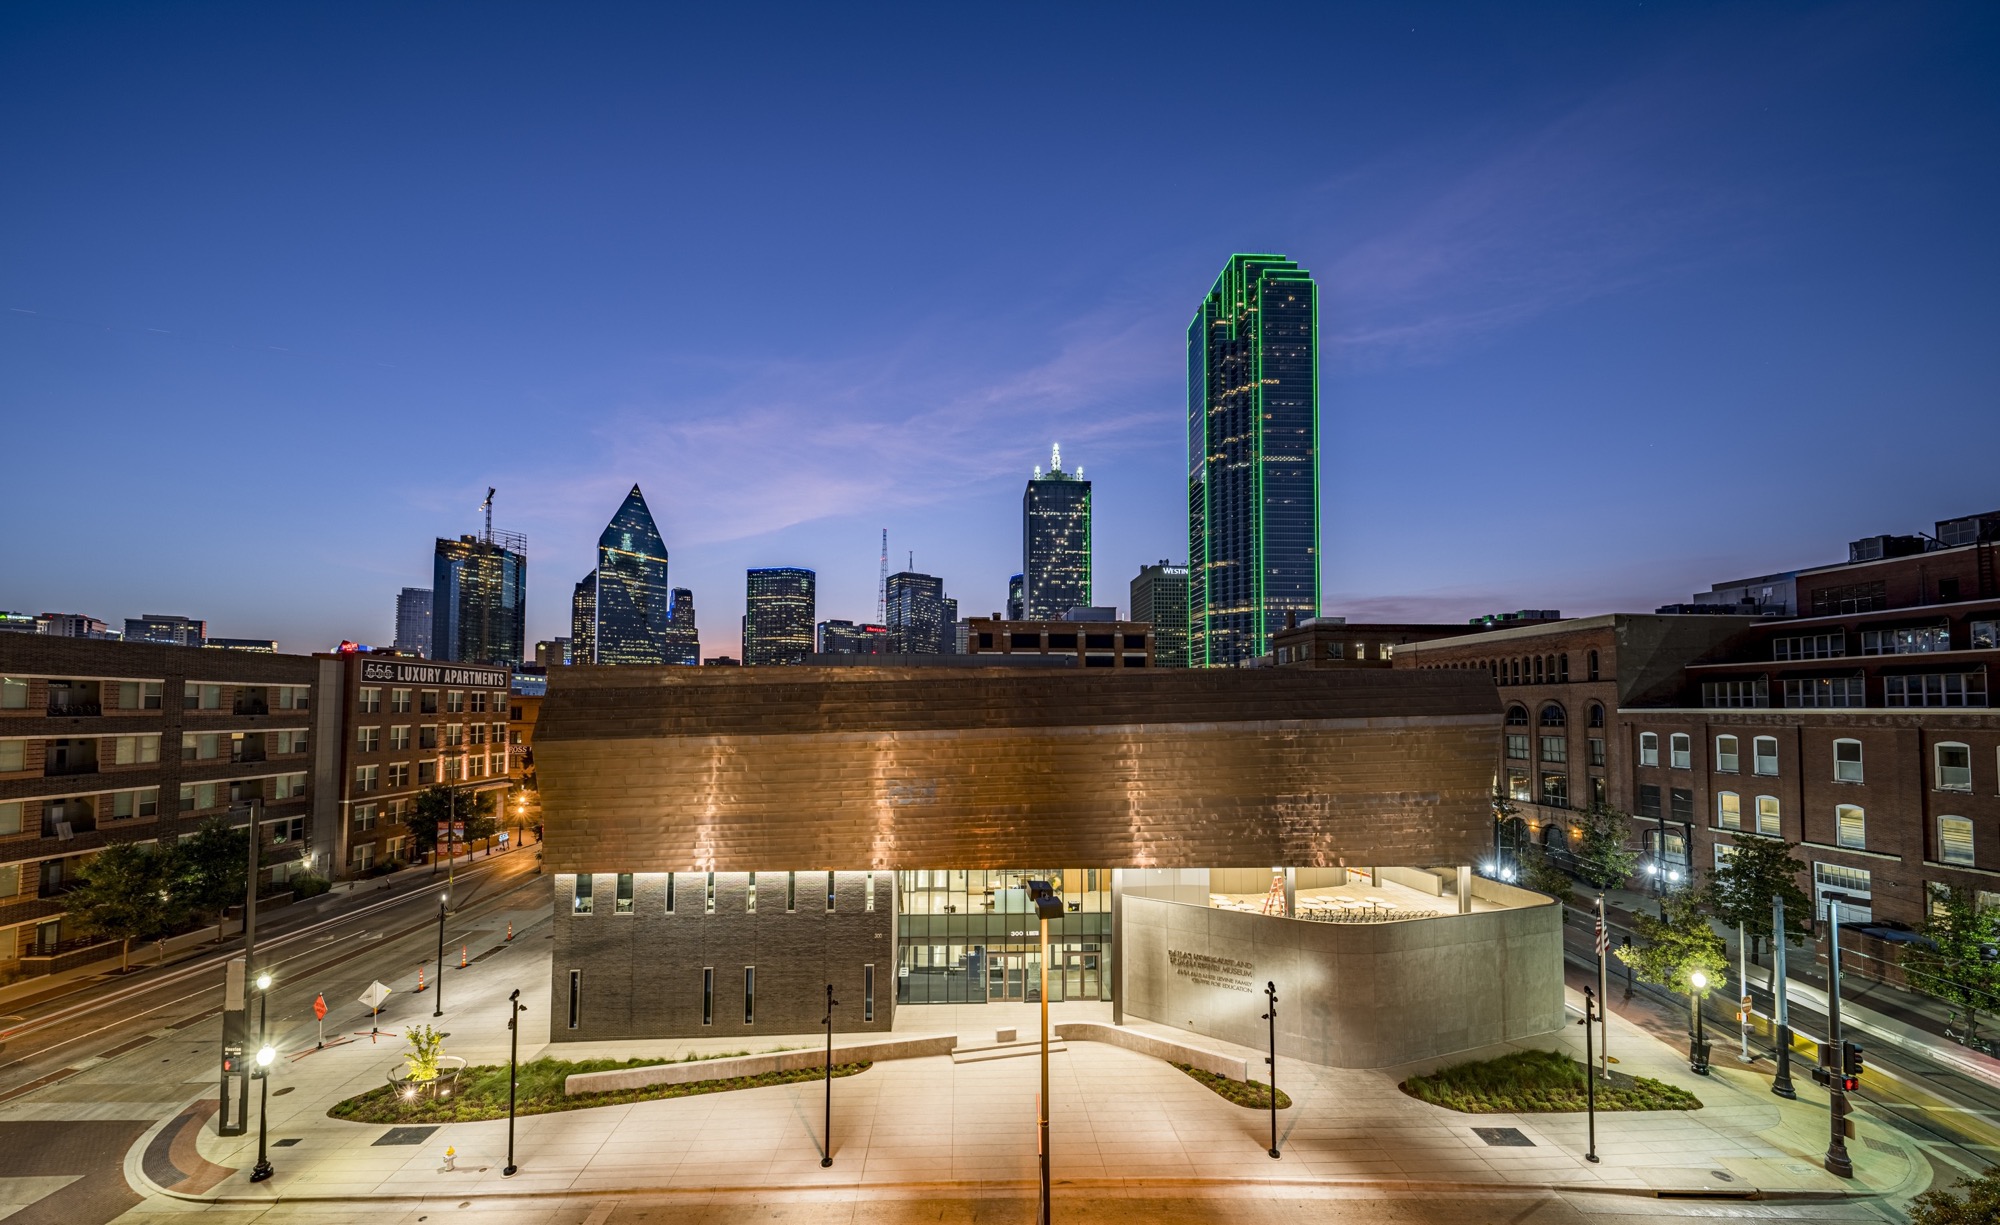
(432, 806)
(1740, 890)
(1676, 945)
(122, 893)
(207, 871)
(1972, 1200)
(1951, 963)
(1539, 872)
(1607, 862)
(436, 805)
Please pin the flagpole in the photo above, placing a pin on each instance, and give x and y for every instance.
(1603, 989)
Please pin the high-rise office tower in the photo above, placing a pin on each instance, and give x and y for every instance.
(1014, 610)
(634, 603)
(1160, 599)
(683, 639)
(1253, 458)
(413, 620)
(583, 621)
(778, 618)
(479, 599)
(171, 630)
(847, 638)
(919, 617)
(1055, 541)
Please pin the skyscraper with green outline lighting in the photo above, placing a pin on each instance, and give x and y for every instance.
(1253, 458)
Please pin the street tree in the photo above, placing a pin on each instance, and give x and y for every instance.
(1600, 850)
(1952, 961)
(436, 805)
(1972, 1200)
(1741, 888)
(123, 893)
(1539, 872)
(1675, 945)
(207, 871)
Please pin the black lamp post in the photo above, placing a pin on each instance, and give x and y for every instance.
(265, 1057)
(1698, 1052)
(826, 1157)
(514, 1010)
(1271, 1015)
(1048, 905)
(263, 1003)
(1590, 1015)
(438, 999)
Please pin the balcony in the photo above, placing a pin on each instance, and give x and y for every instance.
(68, 819)
(55, 768)
(65, 708)
(251, 706)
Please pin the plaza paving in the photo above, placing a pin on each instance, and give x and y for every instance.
(1123, 1124)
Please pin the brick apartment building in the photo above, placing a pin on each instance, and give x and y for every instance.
(1093, 643)
(1334, 642)
(405, 725)
(104, 742)
(1860, 728)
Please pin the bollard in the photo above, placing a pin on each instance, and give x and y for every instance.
(420, 979)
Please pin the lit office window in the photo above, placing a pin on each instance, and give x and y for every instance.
(581, 901)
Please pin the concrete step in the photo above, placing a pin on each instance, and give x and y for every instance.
(1004, 1050)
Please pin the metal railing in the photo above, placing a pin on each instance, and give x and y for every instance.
(76, 709)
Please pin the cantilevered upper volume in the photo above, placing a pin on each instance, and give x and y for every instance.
(634, 604)
(1253, 458)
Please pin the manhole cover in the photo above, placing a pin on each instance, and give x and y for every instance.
(1503, 1137)
(287, 1142)
(404, 1135)
(1879, 1146)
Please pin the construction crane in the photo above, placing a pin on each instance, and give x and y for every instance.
(882, 584)
(487, 506)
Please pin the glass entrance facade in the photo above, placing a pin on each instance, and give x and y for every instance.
(970, 936)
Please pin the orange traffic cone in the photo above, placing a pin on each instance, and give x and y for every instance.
(510, 929)
(420, 979)
(461, 957)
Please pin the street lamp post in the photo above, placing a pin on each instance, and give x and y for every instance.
(438, 999)
(1782, 1084)
(263, 1004)
(826, 1157)
(1590, 1014)
(1837, 1161)
(514, 1010)
(1271, 1015)
(265, 1057)
(1048, 905)
(1698, 1051)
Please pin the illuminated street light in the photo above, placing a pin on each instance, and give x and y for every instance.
(265, 1058)
(1698, 1052)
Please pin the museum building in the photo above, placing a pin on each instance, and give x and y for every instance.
(725, 843)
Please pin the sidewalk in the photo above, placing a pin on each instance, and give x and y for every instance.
(1120, 1120)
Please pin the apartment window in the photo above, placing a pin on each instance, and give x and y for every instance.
(708, 901)
(1725, 754)
(1850, 598)
(1910, 640)
(867, 993)
(134, 750)
(1955, 840)
(750, 895)
(139, 695)
(13, 756)
(575, 997)
(363, 855)
(1768, 815)
(454, 702)
(399, 701)
(1847, 761)
(149, 802)
(368, 739)
(670, 893)
(1517, 716)
(1538, 670)
(708, 995)
(371, 701)
(426, 773)
(1649, 748)
(1555, 790)
(1554, 716)
(1596, 750)
(1517, 748)
(1728, 810)
(201, 697)
(479, 702)
(1680, 748)
(1598, 795)
(1984, 636)
(291, 786)
(1681, 801)
(1593, 665)
(427, 702)
(197, 796)
(1596, 715)
(477, 732)
(1853, 825)
(1935, 689)
(749, 995)
(1562, 669)
(364, 816)
(1764, 751)
(1857, 883)
(1555, 749)
(581, 899)
(1649, 801)
(10, 818)
(1954, 767)
(1751, 692)
(366, 779)
(1810, 646)
(1518, 787)
(399, 737)
(399, 775)
(299, 697)
(829, 893)
(621, 901)
(791, 892)
(13, 693)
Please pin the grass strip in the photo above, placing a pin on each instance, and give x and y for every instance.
(1250, 1093)
(1540, 1082)
(482, 1091)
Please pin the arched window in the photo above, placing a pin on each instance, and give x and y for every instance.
(1768, 815)
(1847, 761)
(1552, 834)
(1728, 810)
(1853, 825)
(1593, 665)
(1954, 767)
(1562, 667)
(1538, 669)
(1517, 716)
(1955, 840)
(1726, 755)
(1765, 751)
(1514, 671)
(1553, 716)
(1649, 748)
(1596, 715)
(1681, 746)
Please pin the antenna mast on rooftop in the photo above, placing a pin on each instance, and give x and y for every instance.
(487, 506)
(882, 584)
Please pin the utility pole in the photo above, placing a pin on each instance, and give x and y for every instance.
(1830, 1057)
(1782, 1084)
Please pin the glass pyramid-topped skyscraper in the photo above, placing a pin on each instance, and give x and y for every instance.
(634, 604)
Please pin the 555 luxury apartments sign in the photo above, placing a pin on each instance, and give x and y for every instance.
(399, 672)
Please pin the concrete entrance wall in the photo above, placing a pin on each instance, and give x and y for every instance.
(1351, 995)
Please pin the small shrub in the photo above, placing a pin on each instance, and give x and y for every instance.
(426, 1044)
(1250, 1093)
(1540, 1082)
(305, 885)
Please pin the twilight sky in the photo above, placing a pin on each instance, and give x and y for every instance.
(1617, 299)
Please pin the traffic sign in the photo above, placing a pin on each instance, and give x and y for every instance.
(319, 1007)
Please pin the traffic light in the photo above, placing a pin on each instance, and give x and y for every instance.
(1850, 1063)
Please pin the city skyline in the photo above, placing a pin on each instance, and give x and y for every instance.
(1517, 267)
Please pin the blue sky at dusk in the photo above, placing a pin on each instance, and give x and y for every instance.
(1617, 299)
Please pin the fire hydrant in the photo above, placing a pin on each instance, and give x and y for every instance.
(450, 1155)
